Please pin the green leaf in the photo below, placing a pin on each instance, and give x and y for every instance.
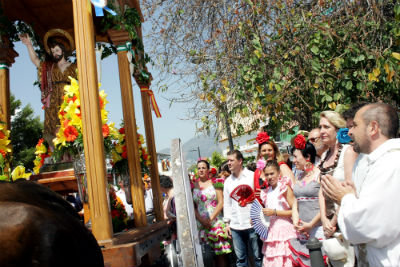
(328, 98)
(349, 85)
(315, 50)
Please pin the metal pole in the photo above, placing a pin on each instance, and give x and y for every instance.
(314, 246)
(198, 150)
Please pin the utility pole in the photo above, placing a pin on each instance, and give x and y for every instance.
(198, 150)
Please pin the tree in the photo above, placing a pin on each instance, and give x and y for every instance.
(283, 61)
(26, 130)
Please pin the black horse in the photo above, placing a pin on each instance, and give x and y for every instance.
(39, 228)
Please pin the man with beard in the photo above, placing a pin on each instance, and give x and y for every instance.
(53, 75)
(368, 216)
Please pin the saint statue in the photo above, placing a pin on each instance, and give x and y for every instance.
(53, 75)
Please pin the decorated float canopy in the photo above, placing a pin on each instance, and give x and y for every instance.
(43, 15)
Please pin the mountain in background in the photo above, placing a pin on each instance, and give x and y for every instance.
(206, 144)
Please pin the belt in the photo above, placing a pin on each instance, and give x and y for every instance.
(306, 198)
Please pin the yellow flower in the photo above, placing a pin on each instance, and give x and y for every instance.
(115, 156)
(118, 148)
(19, 173)
(41, 149)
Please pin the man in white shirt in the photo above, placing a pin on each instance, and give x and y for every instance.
(369, 216)
(236, 217)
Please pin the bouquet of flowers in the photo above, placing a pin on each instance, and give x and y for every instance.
(119, 216)
(69, 136)
(5, 152)
(119, 154)
(42, 152)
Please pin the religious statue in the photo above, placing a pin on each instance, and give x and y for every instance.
(53, 73)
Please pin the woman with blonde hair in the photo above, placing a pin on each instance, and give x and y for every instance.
(337, 161)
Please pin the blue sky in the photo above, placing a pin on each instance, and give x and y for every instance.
(172, 124)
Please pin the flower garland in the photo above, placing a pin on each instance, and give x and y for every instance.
(5, 152)
(69, 136)
(42, 152)
(120, 157)
(119, 217)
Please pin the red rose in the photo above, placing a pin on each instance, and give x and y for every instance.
(213, 171)
(122, 130)
(262, 137)
(300, 142)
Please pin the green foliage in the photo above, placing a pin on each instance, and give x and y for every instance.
(26, 130)
(216, 159)
(127, 19)
(319, 57)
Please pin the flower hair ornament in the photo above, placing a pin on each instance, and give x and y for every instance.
(262, 137)
(300, 142)
(343, 136)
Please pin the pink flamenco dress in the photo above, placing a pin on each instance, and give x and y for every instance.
(206, 201)
(276, 247)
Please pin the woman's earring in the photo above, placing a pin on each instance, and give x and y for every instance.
(309, 166)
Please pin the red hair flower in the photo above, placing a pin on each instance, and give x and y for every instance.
(262, 137)
(213, 171)
(300, 142)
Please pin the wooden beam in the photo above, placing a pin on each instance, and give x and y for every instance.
(91, 121)
(7, 55)
(151, 147)
(128, 109)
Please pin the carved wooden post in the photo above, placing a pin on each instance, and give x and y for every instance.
(151, 146)
(7, 55)
(91, 121)
(120, 38)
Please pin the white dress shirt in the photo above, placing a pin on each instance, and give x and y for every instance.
(373, 218)
(239, 216)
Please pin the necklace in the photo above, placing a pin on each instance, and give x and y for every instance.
(330, 169)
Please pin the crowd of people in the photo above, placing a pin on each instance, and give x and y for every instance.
(339, 186)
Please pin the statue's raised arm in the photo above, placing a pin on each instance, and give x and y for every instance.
(26, 40)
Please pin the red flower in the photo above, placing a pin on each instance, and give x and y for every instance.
(101, 103)
(71, 99)
(106, 130)
(40, 142)
(213, 171)
(300, 142)
(71, 133)
(65, 123)
(262, 137)
(122, 130)
(2, 135)
(114, 213)
(3, 153)
(124, 153)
